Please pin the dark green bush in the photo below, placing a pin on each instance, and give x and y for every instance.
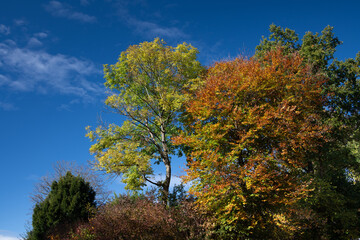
(70, 200)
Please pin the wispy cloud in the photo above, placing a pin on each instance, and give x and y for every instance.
(4, 29)
(145, 28)
(25, 69)
(20, 22)
(34, 42)
(85, 2)
(67, 107)
(59, 9)
(150, 29)
(41, 34)
(4, 237)
(3, 79)
(7, 107)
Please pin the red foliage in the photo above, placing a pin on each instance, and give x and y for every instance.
(141, 218)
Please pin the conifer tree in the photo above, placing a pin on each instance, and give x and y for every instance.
(69, 201)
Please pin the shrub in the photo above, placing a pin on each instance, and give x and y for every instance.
(70, 200)
(142, 218)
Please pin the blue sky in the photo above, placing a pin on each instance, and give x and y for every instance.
(51, 57)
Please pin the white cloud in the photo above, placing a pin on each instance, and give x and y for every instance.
(58, 9)
(3, 79)
(41, 35)
(7, 107)
(84, 2)
(20, 22)
(4, 29)
(150, 29)
(25, 69)
(67, 107)
(3, 237)
(34, 42)
(147, 29)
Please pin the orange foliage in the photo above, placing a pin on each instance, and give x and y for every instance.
(249, 129)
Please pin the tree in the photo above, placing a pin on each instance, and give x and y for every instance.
(69, 200)
(335, 168)
(147, 85)
(178, 195)
(60, 169)
(249, 130)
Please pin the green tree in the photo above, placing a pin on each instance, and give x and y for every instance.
(178, 195)
(147, 85)
(69, 200)
(96, 179)
(335, 168)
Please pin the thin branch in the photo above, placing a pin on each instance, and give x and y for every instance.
(155, 183)
(143, 124)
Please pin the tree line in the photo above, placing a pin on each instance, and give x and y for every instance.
(271, 144)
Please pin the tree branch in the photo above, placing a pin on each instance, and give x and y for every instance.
(155, 183)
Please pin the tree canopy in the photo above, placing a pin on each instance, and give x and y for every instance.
(334, 202)
(147, 87)
(249, 129)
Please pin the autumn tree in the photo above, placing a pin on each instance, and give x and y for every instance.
(147, 87)
(335, 168)
(248, 132)
(70, 200)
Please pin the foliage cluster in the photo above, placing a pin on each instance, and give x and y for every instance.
(147, 87)
(70, 200)
(249, 129)
(335, 167)
(142, 218)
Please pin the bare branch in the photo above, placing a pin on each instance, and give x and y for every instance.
(159, 184)
(97, 181)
